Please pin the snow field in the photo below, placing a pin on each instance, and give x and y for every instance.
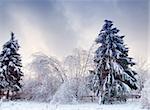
(87, 106)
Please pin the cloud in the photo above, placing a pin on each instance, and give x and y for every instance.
(131, 17)
(40, 27)
(56, 27)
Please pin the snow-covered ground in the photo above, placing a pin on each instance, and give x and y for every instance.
(88, 106)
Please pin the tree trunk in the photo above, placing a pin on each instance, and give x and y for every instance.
(7, 95)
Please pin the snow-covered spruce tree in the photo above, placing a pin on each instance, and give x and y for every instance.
(113, 74)
(10, 72)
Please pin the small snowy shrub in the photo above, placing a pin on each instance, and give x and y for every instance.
(143, 69)
(40, 90)
(46, 78)
(146, 95)
(71, 91)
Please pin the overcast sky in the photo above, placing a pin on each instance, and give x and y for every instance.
(56, 27)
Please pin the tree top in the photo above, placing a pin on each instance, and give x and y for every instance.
(12, 36)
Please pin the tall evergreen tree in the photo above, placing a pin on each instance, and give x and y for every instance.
(10, 64)
(113, 74)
